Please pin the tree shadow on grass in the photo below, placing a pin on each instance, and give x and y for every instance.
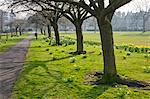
(39, 46)
(37, 62)
(84, 93)
(30, 65)
(95, 92)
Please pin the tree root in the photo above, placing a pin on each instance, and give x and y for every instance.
(95, 78)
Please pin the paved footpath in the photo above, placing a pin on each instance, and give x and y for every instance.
(11, 63)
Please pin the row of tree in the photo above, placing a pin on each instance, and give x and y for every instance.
(77, 11)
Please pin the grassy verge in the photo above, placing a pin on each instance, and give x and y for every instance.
(50, 72)
(5, 44)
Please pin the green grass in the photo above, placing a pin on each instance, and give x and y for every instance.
(136, 38)
(51, 74)
(5, 44)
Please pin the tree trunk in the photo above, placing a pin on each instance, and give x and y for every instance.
(49, 31)
(110, 72)
(11, 30)
(6, 36)
(145, 18)
(55, 26)
(20, 32)
(41, 31)
(79, 36)
(44, 32)
(16, 31)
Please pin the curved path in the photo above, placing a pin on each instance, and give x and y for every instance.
(11, 64)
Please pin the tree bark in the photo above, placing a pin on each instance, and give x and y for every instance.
(79, 36)
(49, 31)
(56, 32)
(20, 32)
(110, 72)
(41, 31)
(16, 31)
(11, 30)
(44, 32)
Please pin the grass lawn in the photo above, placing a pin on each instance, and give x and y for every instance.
(50, 72)
(5, 44)
(136, 38)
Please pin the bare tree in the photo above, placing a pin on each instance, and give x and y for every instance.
(103, 12)
(1, 21)
(53, 17)
(144, 12)
(77, 15)
(17, 24)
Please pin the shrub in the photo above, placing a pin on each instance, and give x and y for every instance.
(72, 60)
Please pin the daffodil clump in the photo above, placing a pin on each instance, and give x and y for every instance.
(133, 48)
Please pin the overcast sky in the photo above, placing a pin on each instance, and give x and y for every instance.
(135, 5)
